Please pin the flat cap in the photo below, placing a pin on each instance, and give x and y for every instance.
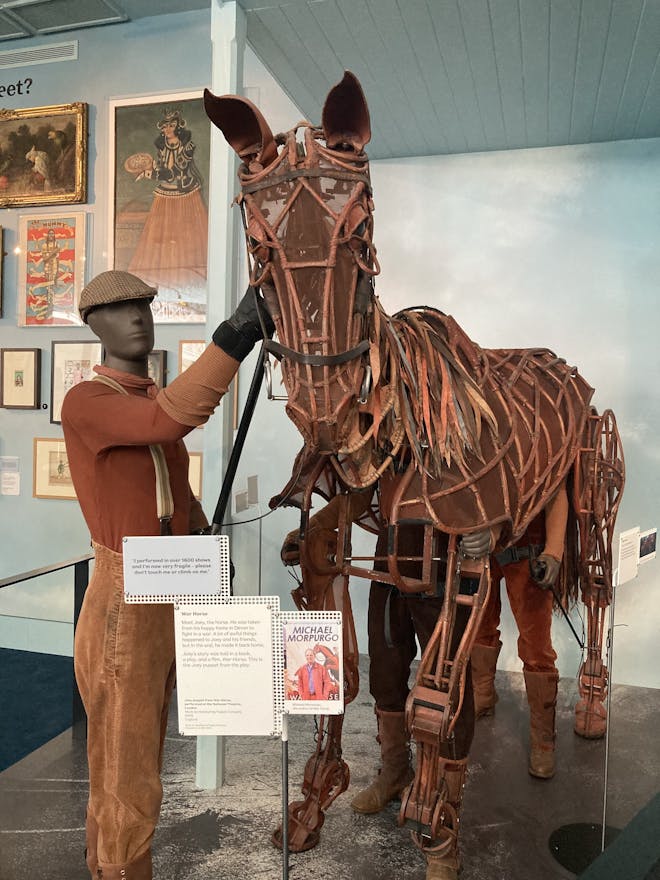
(111, 287)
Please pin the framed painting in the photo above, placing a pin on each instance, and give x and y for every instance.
(51, 477)
(195, 473)
(20, 378)
(157, 366)
(51, 269)
(159, 171)
(189, 351)
(2, 264)
(43, 156)
(71, 363)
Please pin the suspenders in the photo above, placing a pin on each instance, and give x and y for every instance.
(164, 500)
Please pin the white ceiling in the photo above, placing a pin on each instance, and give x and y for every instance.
(441, 76)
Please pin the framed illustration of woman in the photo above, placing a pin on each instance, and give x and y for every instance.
(160, 161)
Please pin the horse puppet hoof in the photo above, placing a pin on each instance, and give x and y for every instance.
(309, 842)
(590, 720)
(305, 822)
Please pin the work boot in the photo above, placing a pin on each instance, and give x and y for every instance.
(91, 838)
(443, 863)
(140, 869)
(396, 772)
(483, 661)
(542, 697)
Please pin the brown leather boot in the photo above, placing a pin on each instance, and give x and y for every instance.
(483, 661)
(542, 697)
(396, 772)
(444, 862)
(91, 837)
(140, 869)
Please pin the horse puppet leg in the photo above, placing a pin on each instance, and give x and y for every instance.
(323, 588)
(437, 718)
(598, 483)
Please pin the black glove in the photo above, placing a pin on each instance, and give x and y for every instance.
(237, 335)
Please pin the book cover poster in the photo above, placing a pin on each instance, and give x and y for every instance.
(313, 679)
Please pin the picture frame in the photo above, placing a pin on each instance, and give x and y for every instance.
(160, 157)
(2, 266)
(51, 269)
(195, 465)
(20, 378)
(44, 153)
(51, 477)
(157, 366)
(71, 363)
(189, 351)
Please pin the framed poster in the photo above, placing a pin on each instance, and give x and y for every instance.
(189, 351)
(71, 363)
(20, 378)
(159, 170)
(195, 473)
(43, 155)
(51, 270)
(157, 366)
(2, 262)
(51, 474)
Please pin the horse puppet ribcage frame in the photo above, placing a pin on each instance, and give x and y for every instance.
(406, 421)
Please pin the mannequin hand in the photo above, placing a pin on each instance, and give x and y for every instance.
(476, 545)
(544, 570)
(237, 335)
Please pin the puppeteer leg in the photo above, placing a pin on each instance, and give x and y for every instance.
(389, 670)
(124, 657)
(485, 652)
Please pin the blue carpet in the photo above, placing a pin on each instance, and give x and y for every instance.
(35, 693)
(635, 853)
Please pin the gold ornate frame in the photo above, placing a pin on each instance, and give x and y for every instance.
(55, 138)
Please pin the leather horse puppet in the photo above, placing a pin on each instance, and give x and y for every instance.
(457, 439)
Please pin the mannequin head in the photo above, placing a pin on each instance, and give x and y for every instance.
(126, 329)
(117, 306)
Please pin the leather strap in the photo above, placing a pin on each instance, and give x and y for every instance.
(515, 554)
(164, 499)
(315, 360)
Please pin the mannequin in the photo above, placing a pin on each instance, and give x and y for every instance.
(124, 654)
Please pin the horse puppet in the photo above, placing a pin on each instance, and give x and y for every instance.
(406, 421)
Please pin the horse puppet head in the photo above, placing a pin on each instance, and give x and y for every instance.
(307, 212)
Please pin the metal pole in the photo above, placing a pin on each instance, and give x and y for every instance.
(80, 581)
(237, 448)
(285, 796)
(610, 651)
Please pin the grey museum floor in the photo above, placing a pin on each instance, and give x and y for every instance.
(225, 835)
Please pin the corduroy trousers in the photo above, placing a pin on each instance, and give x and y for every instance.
(124, 665)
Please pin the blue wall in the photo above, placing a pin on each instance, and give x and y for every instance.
(117, 61)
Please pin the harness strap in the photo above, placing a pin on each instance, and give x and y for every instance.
(164, 499)
(315, 360)
(516, 554)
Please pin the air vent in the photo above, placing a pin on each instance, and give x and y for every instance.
(40, 54)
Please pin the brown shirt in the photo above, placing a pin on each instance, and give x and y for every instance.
(108, 434)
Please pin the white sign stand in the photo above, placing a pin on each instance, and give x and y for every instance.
(242, 665)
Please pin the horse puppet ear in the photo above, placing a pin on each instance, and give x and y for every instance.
(243, 126)
(345, 117)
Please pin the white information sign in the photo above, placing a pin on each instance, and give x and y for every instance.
(164, 569)
(628, 555)
(226, 669)
(10, 478)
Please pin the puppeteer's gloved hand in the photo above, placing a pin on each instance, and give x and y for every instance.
(476, 545)
(238, 334)
(545, 569)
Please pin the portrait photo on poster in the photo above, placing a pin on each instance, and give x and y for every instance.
(160, 158)
(313, 679)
